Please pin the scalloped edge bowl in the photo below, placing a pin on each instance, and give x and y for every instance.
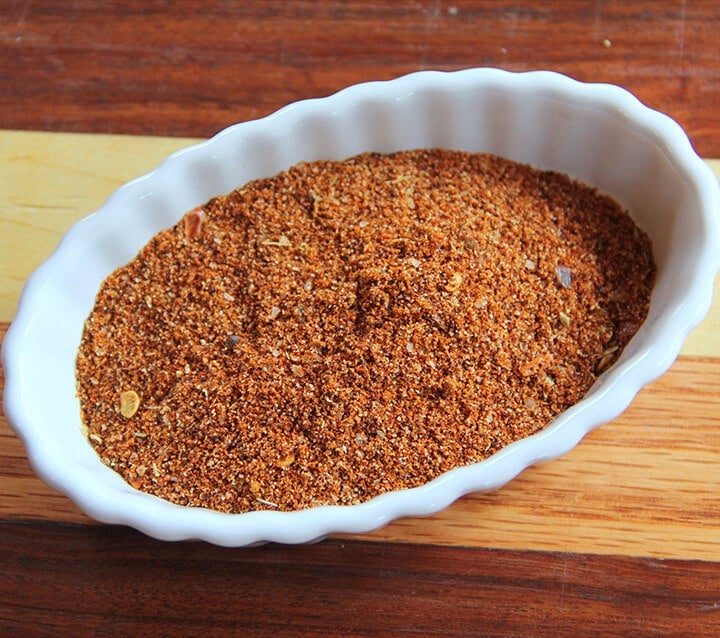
(597, 133)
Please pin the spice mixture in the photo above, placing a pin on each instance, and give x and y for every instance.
(348, 328)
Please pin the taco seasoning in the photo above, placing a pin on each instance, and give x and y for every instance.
(347, 328)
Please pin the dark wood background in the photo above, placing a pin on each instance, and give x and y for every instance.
(191, 68)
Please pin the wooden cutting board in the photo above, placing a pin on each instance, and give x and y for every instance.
(647, 484)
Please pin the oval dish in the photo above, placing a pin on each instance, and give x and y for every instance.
(596, 133)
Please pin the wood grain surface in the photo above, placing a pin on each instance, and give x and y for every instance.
(619, 537)
(190, 68)
(339, 588)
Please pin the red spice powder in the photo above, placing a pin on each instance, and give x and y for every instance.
(348, 328)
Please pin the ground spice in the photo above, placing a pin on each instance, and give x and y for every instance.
(348, 328)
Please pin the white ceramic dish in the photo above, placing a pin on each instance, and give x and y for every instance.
(597, 133)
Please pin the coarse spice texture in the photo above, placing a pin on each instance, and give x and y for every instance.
(347, 328)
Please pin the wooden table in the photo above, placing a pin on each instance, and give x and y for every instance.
(619, 537)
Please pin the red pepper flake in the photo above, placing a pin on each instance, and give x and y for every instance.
(193, 223)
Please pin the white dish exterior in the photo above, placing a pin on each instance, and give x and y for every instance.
(597, 133)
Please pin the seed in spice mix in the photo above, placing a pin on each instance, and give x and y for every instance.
(129, 403)
(348, 328)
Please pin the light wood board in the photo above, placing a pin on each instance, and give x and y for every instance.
(647, 484)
